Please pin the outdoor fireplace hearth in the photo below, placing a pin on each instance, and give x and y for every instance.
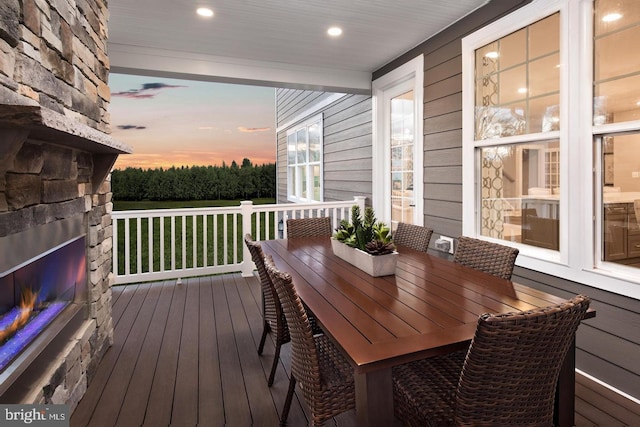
(33, 295)
(54, 196)
(55, 157)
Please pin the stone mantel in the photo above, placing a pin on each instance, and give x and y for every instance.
(28, 120)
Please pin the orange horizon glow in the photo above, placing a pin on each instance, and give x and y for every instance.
(156, 161)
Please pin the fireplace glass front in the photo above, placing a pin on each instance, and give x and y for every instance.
(33, 294)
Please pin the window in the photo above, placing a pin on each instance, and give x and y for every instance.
(551, 139)
(616, 111)
(304, 161)
(516, 124)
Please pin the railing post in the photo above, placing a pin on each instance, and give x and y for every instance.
(360, 201)
(247, 266)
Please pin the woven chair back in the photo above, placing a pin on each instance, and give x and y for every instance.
(309, 227)
(489, 257)
(412, 236)
(271, 307)
(305, 365)
(512, 366)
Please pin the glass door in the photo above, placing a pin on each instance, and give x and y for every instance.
(397, 146)
(401, 138)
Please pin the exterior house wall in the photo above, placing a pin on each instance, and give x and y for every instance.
(606, 345)
(346, 135)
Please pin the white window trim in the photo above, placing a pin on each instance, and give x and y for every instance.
(580, 215)
(305, 124)
(381, 193)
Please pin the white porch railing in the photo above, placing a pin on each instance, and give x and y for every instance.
(160, 244)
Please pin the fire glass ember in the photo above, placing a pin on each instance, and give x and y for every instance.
(33, 294)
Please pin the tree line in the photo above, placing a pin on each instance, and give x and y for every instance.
(224, 182)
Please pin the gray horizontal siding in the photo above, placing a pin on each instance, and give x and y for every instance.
(609, 344)
(439, 140)
(347, 141)
(291, 102)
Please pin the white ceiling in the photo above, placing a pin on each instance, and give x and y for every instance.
(273, 42)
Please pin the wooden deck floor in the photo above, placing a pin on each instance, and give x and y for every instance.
(185, 355)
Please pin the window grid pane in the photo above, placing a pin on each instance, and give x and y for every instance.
(509, 81)
(520, 193)
(304, 159)
(616, 95)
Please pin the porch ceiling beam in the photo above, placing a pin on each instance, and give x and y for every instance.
(185, 65)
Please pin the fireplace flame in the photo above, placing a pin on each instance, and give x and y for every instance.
(27, 304)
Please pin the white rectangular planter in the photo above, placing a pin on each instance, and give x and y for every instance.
(374, 265)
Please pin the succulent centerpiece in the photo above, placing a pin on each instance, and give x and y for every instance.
(366, 243)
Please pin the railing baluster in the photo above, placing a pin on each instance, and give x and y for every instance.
(162, 224)
(267, 225)
(234, 240)
(150, 235)
(225, 238)
(194, 264)
(127, 249)
(184, 242)
(116, 251)
(215, 239)
(173, 242)
(258, 223)
(139, 245)
(204, 240)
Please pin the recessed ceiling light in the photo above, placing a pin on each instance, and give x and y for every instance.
(638, 103)
(492, 54)
(334, 31)
(611, 17)
(522, 90)
(204, 11)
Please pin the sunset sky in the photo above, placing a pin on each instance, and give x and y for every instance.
(172, 122)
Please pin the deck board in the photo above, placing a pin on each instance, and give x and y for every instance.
(137, 395)
(94, 395)
(186, 355)
(160, 403)
(185, 399)
(210, 398)
(107, 412)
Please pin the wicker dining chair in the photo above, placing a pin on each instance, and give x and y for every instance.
(489, 257)
(508, 376)
(325, 376)
(413, 236)
(309, 227)
(273, 318)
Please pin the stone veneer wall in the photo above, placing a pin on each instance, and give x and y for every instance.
(54, 52)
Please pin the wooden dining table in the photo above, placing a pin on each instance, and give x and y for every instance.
(429, 307)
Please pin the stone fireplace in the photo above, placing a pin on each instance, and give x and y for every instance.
(55, 199)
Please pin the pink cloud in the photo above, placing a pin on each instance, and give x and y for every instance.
(251, 130)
